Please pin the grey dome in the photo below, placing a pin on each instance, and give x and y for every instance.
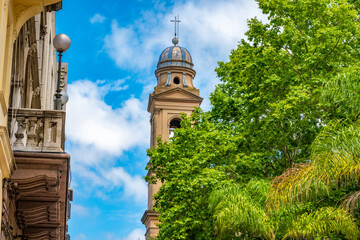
(175, 56)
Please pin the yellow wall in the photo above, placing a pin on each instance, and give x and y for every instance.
(13, 15)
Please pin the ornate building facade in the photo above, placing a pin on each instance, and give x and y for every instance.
(34, 167)
(174, 94)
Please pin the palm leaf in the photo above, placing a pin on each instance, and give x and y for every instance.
(324, 223)
(351, 202)
(335, 160)
(237, 214)
(296, 184)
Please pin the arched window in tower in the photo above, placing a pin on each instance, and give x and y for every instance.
(175, 123)
(176, 80)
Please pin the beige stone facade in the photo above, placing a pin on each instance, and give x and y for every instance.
(13, 15)
(34, 168)
(174, 94)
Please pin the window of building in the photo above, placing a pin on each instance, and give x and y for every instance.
(176, 80)
(175, 123)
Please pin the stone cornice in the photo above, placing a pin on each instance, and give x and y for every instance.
(189, 97)
(149, 214)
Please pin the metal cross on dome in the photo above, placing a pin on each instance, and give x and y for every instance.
(176, 21)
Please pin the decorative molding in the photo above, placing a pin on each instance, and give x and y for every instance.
(33, 50)
(10, 189)
(41, 181)
(149, 219)
(184, 80)
(45, 214)
(189, 97)
(35, 185)
(186, 93)
(176, 69)
(42, 235)
(43, 31)
(3, 103)
(53, 7)
(168, 82)
(149, 214)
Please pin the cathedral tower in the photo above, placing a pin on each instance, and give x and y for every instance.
(173, 95)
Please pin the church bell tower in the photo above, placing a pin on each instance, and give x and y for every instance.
(174, 94)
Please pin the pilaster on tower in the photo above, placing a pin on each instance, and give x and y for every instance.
(174, 94)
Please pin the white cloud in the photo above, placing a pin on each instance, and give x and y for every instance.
(79, 210)
(98, 134)
(91, 122)
(127, 49)
(97, 18)
(112, 86)
(104, 178)
(134, 186)
(136, 234)
(208, 29)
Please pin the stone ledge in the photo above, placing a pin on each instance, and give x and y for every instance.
(148, 214)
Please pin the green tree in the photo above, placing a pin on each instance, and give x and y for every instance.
(331, 178)
(272, 84)
(333, 170)
(240, 213)
(292, 77)
(196, 161)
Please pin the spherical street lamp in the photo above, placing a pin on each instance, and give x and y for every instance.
(61, 43)
(64, 97)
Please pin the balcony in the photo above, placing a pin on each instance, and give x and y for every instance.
(36, 130)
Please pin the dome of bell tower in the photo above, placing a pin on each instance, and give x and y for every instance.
(175, 56)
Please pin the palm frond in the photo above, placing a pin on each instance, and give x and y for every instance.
(324, 223)
(258, 189)
(339, 136)
(338, 90)
(335, 160)
(351, 202)
(236, 213)
(336, 153)
(335, 168)
(297, 184)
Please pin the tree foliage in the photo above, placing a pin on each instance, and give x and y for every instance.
(239, 211)
(272, 83)
(325, 223)
(286, 111)
(195, 162)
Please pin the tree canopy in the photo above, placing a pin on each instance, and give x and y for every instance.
(279, 150)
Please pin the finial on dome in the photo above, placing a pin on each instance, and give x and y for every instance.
(175, 40)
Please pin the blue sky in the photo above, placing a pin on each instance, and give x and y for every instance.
(112, 59)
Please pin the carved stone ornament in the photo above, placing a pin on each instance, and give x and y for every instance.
(32, 50)
(53, 7)
(43, 31)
